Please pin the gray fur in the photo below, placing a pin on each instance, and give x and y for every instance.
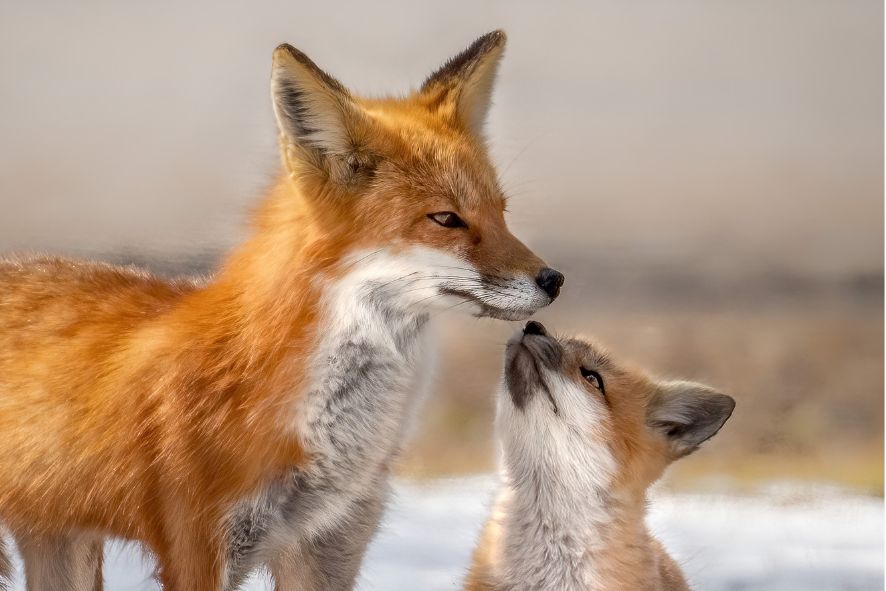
(459, 67)
(332, 561)
(688, 414)
(313, 525)
(5, 564)
(62, 563)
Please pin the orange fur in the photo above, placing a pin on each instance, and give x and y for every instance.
(137, 407)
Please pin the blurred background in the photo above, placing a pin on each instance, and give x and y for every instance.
(708, 175)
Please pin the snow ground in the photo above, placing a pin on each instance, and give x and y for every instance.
(785, 539)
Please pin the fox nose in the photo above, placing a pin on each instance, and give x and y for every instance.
(537, 328)
(550, 281)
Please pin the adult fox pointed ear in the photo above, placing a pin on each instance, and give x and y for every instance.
(318, 119)
(688, 414)
(461, 89)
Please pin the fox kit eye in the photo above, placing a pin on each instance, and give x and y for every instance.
(447, 219)
(593, 378)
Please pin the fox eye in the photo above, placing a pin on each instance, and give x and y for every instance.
(447, 219)
(593, 378)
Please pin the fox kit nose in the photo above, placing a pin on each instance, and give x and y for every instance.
(533, 327)
(550, 281)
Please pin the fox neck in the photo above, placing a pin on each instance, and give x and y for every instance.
(273, 285)
(557, 536)
(252, 332)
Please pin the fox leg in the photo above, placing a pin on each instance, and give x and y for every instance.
(330, 561)
(193, 562)
(62, 563)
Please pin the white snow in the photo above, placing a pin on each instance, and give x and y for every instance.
(786, 538)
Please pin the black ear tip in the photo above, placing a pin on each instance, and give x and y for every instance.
(728, 405)
(720, 409)
(285, 49)
(286, 52)
(461, 64)
(496, 37)
(488, 42)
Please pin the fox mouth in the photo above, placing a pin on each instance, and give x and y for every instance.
(488, 310)
(529, 354)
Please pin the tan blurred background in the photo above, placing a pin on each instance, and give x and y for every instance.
(708, 174)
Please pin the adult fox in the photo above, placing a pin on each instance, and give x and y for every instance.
(252, 420)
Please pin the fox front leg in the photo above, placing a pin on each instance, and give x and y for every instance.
(62, 563)
(330, 562)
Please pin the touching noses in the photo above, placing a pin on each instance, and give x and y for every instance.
(550, 281)
(536, 328)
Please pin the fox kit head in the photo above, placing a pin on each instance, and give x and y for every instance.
(402, 190)
(569, 411)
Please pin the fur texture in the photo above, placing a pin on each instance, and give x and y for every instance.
(252, 419)
(582, 439)
(72, 562)
(6, 570)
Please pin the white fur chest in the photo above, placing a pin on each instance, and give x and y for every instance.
(368, 376)
(543, 551)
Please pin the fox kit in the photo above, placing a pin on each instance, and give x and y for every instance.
(252, 420)
(582, 439)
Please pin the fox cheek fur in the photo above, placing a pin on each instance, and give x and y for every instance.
(252, 419)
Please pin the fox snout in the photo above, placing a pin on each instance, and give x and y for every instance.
(529, 353)
(550, 280)
(515, 269)
(533, 327)
(517, 255)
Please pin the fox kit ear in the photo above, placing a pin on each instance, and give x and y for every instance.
(462, 87)
(316, 114)
(688, 414)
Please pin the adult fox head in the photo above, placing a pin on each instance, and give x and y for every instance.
(402, 190)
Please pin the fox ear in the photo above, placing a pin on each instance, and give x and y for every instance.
(316, 113)
(462, 87)
(688, 414)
